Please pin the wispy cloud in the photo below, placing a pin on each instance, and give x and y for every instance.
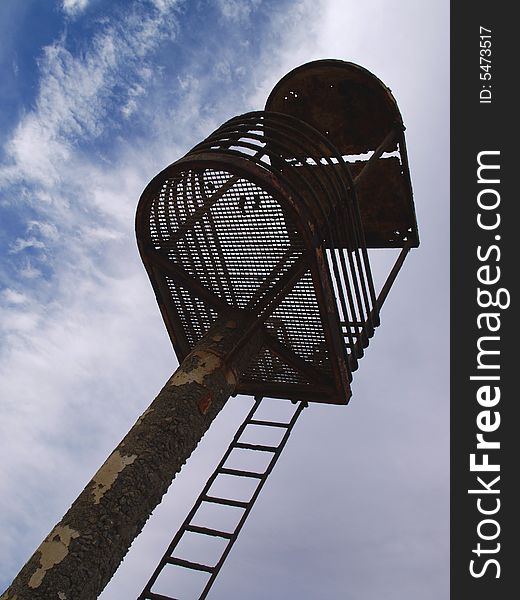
(238, 10)
(13, 297)
(74, 7)
(78, 313)
(75, 271)
(54, 170)
(78, 93)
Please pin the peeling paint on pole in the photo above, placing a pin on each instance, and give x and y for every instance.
(207, 363)
(107, 475)
(83, 551)
(52, 551)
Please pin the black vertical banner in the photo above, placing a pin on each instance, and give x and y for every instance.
(485, 240)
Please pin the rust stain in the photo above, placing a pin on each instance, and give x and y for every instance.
(205, 403)
(105, 478)
(231, 377)
(53, 550)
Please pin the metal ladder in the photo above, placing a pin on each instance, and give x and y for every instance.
(168, 560)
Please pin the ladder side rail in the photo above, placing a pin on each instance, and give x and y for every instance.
(146, 593)
(272, 462)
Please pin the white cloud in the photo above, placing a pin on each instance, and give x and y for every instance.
(86, 341)
(29, 271)
(81, 291)
(74, 7)
(77, 94)
(237, 10)
(164, 5)
(21, 244)
(13, 297)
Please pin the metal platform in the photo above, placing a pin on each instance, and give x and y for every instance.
(358, 114)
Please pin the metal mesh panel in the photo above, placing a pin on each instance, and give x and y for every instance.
(267, 367)
(230, 235)
(231, 248)
(303, 323)
(311, 166)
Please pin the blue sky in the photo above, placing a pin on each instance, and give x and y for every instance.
(96, 98)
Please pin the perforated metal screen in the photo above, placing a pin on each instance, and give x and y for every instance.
(230, 235)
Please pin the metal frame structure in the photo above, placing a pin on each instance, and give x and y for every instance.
(274, 214)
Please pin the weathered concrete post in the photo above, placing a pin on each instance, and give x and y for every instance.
(80, 555)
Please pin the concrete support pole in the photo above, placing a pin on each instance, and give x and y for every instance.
(80, 555)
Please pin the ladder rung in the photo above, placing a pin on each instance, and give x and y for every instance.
(154, 596)
(269, 423)
(189, 565)
(226, 471)
(208, 531)
(226, 501)
(256, 447)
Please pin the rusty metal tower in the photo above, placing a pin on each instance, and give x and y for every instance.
(256, 244)
(269, 216)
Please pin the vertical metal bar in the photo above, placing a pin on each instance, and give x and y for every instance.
(214, 238)
(346, 314)
(393, 274)
(197, 243)
(353, 223)
(388, 139)
(200, 212)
